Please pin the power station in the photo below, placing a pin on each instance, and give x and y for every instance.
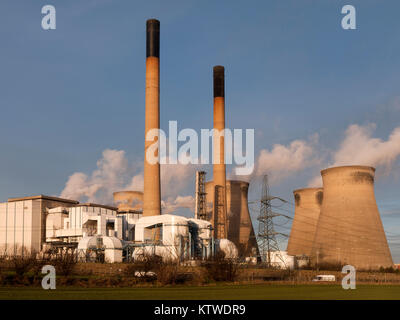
(135, 225)
(349, 229)
(308, 203)
(340, 223)
(336, 224)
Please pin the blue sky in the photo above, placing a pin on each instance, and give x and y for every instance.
(291, 72)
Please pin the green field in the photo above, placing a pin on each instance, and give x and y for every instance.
(299, 292)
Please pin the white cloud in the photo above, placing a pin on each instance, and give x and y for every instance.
(171, 205)
(115, 173)
(359, 147)
(98, 187)
(284, 160)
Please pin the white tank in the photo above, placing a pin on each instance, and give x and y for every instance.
(227, 247)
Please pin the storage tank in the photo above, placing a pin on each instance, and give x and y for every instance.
(240, 227)
(308, 203)
(349, 230)
(227, 248)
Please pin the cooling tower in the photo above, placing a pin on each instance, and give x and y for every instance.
(349, 230)
(152, 189)
(239, 226)
(128, 200)
(308, 203)
(218, 218)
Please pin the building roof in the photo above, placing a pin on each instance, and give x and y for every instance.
(89, 204)
(43, 197)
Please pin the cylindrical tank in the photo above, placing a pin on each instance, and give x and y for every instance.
(227, 248)
(349, 230)
(308, 203)
(152, 189)
(239, 224)
(128, 200)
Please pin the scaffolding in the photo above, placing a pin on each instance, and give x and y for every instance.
(220, 213)
(201, 204)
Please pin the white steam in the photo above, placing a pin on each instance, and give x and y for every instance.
(284, 160)
(359, 147)
(114, 173)
(99, 186)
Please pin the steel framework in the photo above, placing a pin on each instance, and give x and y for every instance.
(267, 242)
(201, 205)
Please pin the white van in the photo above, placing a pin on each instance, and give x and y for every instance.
(325, 277)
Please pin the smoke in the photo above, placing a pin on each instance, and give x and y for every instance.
(99, 186)
(284, 160)
(176, 178)
(115, 173)
(359, 147)
(136, 183)
(171, 205)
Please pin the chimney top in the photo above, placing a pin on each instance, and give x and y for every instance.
(219, 81)
(153, 38)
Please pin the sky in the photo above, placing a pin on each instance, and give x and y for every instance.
(72, 99)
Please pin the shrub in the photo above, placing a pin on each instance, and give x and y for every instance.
(167, 273)
(144, 268)
(220, 269)
(21, 264)
(65, 263)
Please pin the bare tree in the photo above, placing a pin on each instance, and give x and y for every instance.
(23, 262)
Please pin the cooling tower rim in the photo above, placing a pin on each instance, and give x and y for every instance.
(229, 181)
(128, 192)
(343, 168)
(237, 181)
(308, 189)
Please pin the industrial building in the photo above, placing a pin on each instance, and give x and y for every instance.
(239, 225)
(308, 203)
(340, 223)
(135, 225)
(336, 224)
(349, 230)
(86, 227)
(228, 199)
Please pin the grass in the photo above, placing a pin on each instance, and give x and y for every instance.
(219, 292)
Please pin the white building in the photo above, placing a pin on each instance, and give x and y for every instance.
(281, 260)
(173, 237)
(83, 220)
(35, 224)
(42, 223)
(23, 220)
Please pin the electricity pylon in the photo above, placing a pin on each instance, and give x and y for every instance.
(266, 232)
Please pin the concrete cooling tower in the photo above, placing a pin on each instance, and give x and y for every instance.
(308, 203)
(239, 225)
(349, 229)
(128, 200)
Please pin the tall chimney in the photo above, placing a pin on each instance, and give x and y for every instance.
(219, 171)
(152, 189)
